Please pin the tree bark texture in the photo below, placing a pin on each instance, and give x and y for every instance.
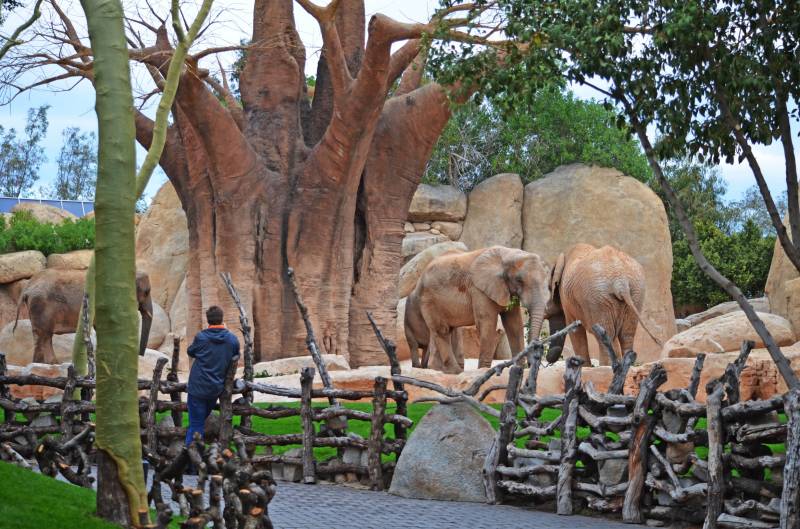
(121, 489)
(318, 184)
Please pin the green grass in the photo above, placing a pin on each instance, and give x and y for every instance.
(29, 500)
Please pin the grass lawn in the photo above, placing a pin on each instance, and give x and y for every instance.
(29, 500)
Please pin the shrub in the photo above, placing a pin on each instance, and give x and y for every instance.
(24, 232)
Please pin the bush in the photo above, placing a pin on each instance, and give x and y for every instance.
(24, 232)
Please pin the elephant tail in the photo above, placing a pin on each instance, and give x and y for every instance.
(22, 299)
(623, 293)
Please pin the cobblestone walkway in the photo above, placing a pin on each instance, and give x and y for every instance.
(321, 506)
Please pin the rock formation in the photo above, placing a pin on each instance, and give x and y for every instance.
(444, 457)
(162, 245)
(725, 333)
(599, 206)
(494, 213)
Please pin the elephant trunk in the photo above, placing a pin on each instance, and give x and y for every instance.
(557, 322)
(146, 310)
(536, 311)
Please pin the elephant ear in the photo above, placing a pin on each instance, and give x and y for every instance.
(488, 276)
(558, 269)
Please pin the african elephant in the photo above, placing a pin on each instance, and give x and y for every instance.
(53, 299)
(596, 285)
(473, 288)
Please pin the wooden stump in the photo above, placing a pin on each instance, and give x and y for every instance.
(307, 416)
(569, 427)
(375, 443)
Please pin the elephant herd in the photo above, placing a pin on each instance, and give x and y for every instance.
(458, 289)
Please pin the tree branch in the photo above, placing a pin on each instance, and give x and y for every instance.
(694, 245)
(409, 61)
(12, 40)
(792, 251)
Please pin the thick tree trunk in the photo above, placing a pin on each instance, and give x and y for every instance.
(322, 186)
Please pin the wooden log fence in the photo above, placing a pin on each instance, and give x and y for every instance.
(161, 416)
(650, 456)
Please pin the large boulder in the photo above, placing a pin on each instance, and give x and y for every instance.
(444, 457)
(494, 213)
(411, 271)
(76, 260)
(147, 363)
(44, 213)
(725, 333)
(414, 243)
(177, 313)
(437, 203)
(159, 328)
(18, 344)
(20, 265)
(162, 245)
(293, 365)
(783, 288)
(759, 304)
(582, 204)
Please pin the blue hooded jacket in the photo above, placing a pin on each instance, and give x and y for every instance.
(213, 351)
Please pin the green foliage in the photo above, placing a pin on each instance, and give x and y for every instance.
(77, 165)
(20, 158)
(23, 232)
(742, 256)
(555, 128)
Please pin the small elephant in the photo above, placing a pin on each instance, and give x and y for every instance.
(53, 299)
(418, 337)
(473, 288)
(596, 285)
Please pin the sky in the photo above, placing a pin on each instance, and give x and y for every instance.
(75, 107)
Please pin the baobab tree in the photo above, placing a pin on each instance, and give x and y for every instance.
(281, 179)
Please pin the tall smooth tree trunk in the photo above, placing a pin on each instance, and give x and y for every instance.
(121, 489)
(322, 185)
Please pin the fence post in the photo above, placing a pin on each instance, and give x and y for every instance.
(790, 498)
(66, 398)
(8, 415)
(569, 428)
(498, 452)
(643, 425)
(150, 419)
(172, 377)
(716, 442)
(307, 416)
(225, 409)
(375, 443)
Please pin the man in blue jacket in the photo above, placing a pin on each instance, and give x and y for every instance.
(214, 350)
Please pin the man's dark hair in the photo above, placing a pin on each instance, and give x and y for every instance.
(214, 315)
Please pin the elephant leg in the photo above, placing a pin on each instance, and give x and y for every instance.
(43, 346)
(580, 343)
(441, 339)
(413, 348)
(627, 332)
(458, 351)
(512, 323)
(611, 329)
(487, 333)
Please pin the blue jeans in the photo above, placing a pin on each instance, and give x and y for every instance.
(199, 410)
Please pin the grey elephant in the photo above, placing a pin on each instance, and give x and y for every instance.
(473, 288)
(596, 285)
(53, 299)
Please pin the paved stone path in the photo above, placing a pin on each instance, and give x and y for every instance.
(329, 506)
(322, 506)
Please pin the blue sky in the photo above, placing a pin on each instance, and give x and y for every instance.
(76, 107)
